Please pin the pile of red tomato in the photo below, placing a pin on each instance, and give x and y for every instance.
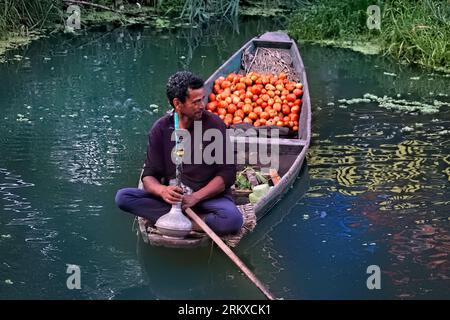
(257, 99)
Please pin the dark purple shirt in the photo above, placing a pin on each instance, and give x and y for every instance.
(159, 162)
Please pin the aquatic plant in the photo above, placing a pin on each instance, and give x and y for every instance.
(411, 31)
(401, 105)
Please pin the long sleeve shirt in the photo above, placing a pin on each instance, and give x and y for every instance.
(160, 165)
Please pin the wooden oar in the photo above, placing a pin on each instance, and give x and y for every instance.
(229, 253)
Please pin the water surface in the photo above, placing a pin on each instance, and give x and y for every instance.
(75, 113)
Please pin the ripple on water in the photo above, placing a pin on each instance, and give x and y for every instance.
(421, 259)
(19, 213)
(87, 158)
(399, 185)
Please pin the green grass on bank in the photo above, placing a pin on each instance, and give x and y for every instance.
(26, 15)
(21, 20)
(412, 31)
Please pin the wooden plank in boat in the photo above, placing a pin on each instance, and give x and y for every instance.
(278, 141)
(272, 44)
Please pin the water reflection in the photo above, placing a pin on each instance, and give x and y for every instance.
(393, 175)
(394, 192)
(403, 167)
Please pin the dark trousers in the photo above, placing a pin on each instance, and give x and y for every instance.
(222, 215)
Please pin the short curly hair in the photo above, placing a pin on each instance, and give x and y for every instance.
(179, 83)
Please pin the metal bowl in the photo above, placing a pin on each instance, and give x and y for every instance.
(172, 233)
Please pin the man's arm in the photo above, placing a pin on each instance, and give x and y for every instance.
(214, 187)
(170, 194)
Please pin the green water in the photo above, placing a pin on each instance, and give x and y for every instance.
(75, 113)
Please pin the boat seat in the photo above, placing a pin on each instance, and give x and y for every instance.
(270, 141)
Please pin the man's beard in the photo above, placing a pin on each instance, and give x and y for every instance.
(198, 115)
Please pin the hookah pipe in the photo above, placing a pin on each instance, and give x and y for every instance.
(178, 150)
(174, 223)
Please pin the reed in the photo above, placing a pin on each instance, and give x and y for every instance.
(19, 15)
(411, 31)
(201, 11)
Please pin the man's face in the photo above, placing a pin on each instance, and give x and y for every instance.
(194, 105)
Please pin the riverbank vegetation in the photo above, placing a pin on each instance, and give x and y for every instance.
(412, 31)
(23, 20)
(26, 15)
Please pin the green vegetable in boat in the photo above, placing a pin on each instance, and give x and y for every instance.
(253, 198)
(242, 183)
(260, 177)
(261, 190)
(258, 192)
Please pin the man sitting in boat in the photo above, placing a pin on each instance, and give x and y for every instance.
(210, 183)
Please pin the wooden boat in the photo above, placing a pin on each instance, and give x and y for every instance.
(292, 150)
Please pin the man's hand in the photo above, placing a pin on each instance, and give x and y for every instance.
(171, 194)
(190, 200)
